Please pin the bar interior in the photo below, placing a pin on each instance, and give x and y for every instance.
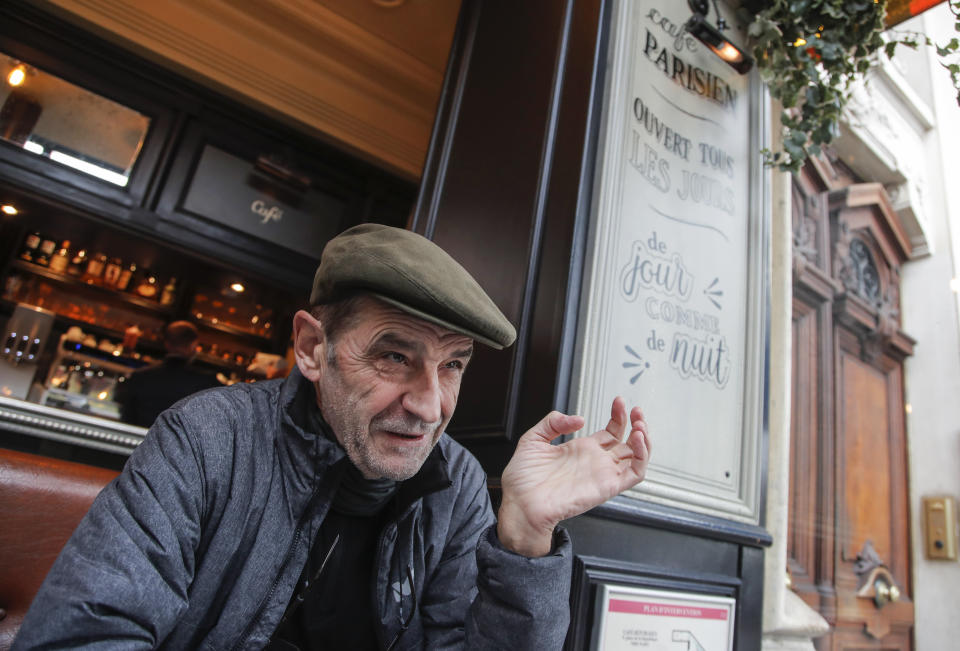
(133, 199)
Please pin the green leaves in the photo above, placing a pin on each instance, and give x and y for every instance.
(809, 52)
(949, 53)
(948, 49)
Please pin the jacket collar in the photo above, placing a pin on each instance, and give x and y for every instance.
(305, 453)
(431, 477)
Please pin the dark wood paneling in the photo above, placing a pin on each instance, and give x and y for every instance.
(487, 212)
(567, 205)
(506, 191)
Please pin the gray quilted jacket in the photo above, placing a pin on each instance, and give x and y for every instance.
(199, 543)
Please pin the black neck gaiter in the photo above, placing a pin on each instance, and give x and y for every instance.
(360, 496)
(356, 494)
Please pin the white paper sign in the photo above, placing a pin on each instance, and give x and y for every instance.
(673, 302)
(632, 619)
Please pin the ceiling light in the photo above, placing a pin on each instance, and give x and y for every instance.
(713, 37)
(237, 287)
(17, 75)
(9, 209)
(89, 168)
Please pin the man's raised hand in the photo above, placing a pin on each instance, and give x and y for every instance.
(544, 484)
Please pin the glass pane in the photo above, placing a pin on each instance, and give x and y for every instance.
(67, 124)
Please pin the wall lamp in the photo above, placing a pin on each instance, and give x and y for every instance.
(713, 37)
(17, 75)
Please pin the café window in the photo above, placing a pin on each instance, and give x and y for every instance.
(67, 124)
(83, 305)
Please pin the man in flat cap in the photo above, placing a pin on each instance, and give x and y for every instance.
(329, 510)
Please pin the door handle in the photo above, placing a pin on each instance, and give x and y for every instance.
(884, 593)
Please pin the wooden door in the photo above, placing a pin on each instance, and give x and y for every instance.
(872, 514)
(849, 546)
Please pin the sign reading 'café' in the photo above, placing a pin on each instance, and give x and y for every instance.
(673, 308)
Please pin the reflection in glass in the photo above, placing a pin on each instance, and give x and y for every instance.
(53, 118)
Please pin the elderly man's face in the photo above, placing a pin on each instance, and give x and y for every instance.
(389, 387)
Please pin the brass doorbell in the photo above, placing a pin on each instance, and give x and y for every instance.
(940, 527)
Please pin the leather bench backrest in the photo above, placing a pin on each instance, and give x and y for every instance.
(42, 500)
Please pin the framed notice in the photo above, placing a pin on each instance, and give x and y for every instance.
(628, 619)
(674, 303)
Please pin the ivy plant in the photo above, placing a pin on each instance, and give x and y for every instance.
(810, 53)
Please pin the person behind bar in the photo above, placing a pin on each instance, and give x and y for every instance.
(148, 391)
(329, 509)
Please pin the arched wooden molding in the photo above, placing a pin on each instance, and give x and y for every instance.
(868, 247)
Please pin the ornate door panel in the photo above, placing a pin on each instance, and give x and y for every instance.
(872, 519)
(849, 532)
(810, 547)
(864, 468)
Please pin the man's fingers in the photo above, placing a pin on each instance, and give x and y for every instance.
(639, 441)
(638, 424)
(623, 452)
(556, 424)
(639, 444)
(617, 424)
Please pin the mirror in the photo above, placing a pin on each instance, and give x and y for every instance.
(72, 126)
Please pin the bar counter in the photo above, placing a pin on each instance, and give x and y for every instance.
(63, 426)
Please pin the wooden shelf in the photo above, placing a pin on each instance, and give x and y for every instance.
(230, 330)
(114, 295)
(76, 350)
(94, 329)
(224, 365)
(120, 299)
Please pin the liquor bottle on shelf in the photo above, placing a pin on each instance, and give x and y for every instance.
(149, 286)
(47, 249)
(78, 263)
(123, 282)
(111, 273)
(12, 286)
(95, 267)
(169, 292)
(130, 338)
(31, 247)
(61, 259)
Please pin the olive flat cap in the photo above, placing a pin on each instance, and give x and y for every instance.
(412, 273)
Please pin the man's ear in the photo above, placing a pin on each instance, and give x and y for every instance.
(309, 344)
